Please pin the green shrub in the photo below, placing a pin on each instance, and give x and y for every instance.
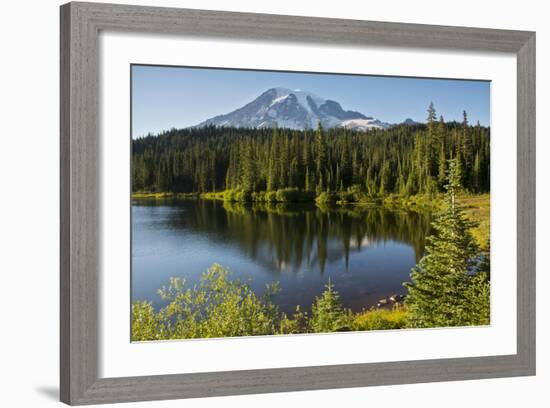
(294, 325)
(326, 197)
(217, 307)
(271, 196)
(237, 195)
(259, 196)
(380, 319)
(328, 314)
(228, 195)
(352, 194)
(146, 324)
(243, 196)
(345, 197)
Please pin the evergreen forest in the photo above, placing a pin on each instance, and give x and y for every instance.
(404, 160)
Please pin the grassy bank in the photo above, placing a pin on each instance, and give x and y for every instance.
(380, 319)
(289, 195)
(141, 195)
(476, 208)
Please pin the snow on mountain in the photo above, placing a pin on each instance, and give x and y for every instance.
(364, 124)
(294, 109)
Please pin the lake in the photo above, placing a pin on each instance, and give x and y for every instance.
(366, 252)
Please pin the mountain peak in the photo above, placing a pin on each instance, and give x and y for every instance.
(294, 109)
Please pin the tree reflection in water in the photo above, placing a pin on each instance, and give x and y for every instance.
(285, 236)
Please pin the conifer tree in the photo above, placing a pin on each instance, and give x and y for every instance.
(442, 158)
(442, 168)
(320, 154)
(467, 151)
(272, 172)
(442, 290)
(247, 168)
(306, 160)
(432, 142)
(431, 115)
(327, 312)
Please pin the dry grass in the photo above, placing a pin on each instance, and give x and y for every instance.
(477, 209)
(381, 319)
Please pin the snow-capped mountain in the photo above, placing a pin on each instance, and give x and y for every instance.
(294, 109)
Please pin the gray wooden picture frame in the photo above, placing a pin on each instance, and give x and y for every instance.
(81, 24)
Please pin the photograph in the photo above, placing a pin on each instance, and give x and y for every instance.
(299, 203)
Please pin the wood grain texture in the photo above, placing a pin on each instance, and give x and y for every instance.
(79, 196)
(526, 201)
(80, 233)
(271, 27)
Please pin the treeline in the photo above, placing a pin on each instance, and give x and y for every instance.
(404, 159)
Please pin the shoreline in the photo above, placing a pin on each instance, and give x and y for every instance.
(418, 201)
(476, 206)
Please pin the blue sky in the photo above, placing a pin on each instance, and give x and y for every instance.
(166, 97)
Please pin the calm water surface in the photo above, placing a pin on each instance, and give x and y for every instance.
(366, 252)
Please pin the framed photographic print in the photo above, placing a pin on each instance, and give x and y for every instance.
(260, 203)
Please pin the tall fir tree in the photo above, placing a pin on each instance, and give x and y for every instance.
(444, 285)
(432, 141)
(466, 151)
(442, 156)
(442, 167)
(320, 157)
(272, 172)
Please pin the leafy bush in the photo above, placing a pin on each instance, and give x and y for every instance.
(146, 324)
(217, 307)
(243, 196)
(259, 196)
(229, 195)
(296, 324)
(271, 196)
(346, 197)
(235, 195)
(326, 197)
